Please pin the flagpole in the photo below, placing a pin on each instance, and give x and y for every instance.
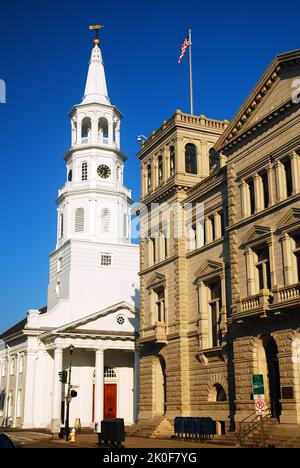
(191, 72)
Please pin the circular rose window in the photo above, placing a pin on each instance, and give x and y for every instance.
(121, 320)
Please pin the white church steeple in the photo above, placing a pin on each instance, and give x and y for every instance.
(96, 89)
(93, 248)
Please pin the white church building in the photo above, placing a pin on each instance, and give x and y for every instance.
(93, 294)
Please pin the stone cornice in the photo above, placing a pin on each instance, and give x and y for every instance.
(270, 77)
(95, 146)
(209, 183)
(186, 121)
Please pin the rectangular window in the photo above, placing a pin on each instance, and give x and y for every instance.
(296, 252)
(106, 259)
(288, 176)
(215, 305)
(263, 268)
(222, 223)
(251, 195)
(265, 182)
(160, 304)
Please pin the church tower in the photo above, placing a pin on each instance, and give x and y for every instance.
(94, 264)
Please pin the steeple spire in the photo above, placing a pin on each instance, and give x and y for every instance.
(96, 89)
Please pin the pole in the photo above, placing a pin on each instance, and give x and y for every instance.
(67, 425)
(262, 432)
(191, 72)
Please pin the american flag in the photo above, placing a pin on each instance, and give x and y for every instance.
(184, 46)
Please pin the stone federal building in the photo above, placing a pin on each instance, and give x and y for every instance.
(223, 302)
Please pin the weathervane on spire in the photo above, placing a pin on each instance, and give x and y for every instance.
(96, 28)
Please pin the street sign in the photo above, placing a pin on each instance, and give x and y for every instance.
(260, 404)
(258, 384)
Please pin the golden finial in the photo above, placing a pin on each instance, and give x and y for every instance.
(96, 28)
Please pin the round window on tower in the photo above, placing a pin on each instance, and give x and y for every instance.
(70, 175)
(120, 320)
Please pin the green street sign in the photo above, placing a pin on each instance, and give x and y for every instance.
(258, 384)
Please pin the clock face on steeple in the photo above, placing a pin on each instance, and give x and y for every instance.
(103, 171)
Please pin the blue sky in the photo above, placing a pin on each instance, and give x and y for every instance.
(44, 52)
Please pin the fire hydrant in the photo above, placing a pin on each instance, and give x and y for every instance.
(73, 435)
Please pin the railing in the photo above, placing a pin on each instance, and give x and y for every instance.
(189, 119)
(289, 293)
(248, 425)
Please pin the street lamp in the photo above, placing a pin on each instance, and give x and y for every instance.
(69, 397)
(141, 138)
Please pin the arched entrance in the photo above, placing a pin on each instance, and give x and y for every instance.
(273, 374)
(110, 409)
(160, 386)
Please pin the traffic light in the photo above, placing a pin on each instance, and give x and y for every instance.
(63, 376)
(73, 393)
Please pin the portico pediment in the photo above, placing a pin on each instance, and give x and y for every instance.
(290, 220)
(257, 233)
(209, 268)
(119, 319)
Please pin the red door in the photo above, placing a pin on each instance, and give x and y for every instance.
(110, 401)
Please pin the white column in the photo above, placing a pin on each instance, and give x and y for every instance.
(79, 130)
(57, 385)
(16, 390)
(110, 132)
(29, 389)
(99, 388)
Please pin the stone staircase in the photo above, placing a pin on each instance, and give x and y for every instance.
(155, 428)
(276, 435)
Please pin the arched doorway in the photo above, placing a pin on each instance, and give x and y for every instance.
(273, 374)
(160, 386)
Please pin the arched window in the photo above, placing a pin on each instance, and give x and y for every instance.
(84, 171)
(190, 159)
(86, 127)
(149, 177)
(70, 175)
(105, 220)
(160, 170)
(103, 130)
(79, 220)
(172, 161)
